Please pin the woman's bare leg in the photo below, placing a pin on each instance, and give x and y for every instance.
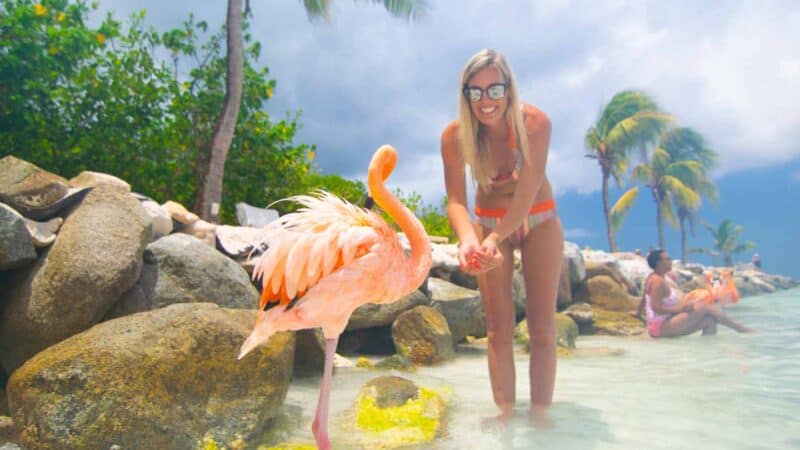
(498, 304)
(542, 252)
(721, 317)
(684, 323)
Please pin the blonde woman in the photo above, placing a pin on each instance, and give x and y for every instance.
(505, 143)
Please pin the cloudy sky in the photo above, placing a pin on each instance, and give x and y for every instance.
(729, 69)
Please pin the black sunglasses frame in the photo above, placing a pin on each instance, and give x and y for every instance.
(467, 89)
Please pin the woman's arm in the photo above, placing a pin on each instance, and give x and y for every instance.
(531, 174)
(455, 181)
(658, 291)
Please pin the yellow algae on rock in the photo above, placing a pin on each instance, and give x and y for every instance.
(416, 421)
(290, 447)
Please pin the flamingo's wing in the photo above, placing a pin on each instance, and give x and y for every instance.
(317, 240)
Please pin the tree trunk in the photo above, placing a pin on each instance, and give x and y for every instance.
(659, 220)
(210, 193)
(612, 245)
(681, 219)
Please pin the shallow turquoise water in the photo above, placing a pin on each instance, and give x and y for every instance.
(729, 391)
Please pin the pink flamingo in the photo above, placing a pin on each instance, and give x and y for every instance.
(723, 291)
(703, 294)
(331, 257)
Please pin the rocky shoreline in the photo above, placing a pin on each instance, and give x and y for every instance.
(117, 312)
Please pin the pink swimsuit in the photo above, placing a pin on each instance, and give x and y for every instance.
(654, 320)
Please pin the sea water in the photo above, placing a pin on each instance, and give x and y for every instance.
(729, 391)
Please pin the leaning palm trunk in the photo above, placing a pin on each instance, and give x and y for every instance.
(210, 191)
(612, 245)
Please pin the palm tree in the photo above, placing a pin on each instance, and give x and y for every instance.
(700, 183)
(629, 119)
(726, 242)
(212, 166)
(677, 167)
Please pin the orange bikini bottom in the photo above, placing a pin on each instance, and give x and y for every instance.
(539, 212)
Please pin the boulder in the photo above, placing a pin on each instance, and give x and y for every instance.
(158, 379)
(16, 245)
(92, 179)
(182, 269)
(616, 323)
(607, 293)
(575, 262)
(372, 315)
(309, 353)
(393, 412)
(566, 332)
(462, 308)
(583, 315)
(253, 216)
(421, 334)
(34, 192)
(610, 269)
(96, 257)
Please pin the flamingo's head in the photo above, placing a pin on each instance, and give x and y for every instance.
(382, 164)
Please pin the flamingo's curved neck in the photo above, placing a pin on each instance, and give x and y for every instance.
(420, 260)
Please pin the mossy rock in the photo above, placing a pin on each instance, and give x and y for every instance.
(159, 379)
(566, 334)
(387, 415)
(616, 323)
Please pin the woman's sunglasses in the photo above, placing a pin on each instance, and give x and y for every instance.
(494, 91)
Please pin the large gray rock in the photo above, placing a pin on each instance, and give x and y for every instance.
(574, 256)
(253, 216)
(463, 309)
(16, 245)
(97, 257)
(159, 379)
(182, 269)
(633, 268)
(372, 315)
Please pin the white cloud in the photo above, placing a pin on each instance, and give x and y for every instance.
(368, 79)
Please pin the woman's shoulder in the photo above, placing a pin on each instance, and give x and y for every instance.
(534, 118)
(450, 132)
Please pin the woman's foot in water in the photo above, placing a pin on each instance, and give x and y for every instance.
(540, 418)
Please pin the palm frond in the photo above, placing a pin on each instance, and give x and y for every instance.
(642, 173)
(622, 206)
(683, 195)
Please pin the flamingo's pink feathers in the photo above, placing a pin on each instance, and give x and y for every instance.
(324, 235)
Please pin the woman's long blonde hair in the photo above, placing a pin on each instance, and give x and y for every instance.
(470, 136)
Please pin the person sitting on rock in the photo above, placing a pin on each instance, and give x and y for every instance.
(668, 315)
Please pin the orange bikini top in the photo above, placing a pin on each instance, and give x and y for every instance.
(513, 146)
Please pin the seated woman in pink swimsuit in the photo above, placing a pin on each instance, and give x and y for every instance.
(505, 144)
(668, 315)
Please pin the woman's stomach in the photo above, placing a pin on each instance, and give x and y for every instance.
(501, 193)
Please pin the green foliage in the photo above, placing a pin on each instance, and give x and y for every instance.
(353, 191)
(76, 98)
(726, 241)
(433, 219)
